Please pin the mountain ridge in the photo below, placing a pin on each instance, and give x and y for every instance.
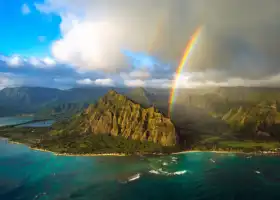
(115, 114)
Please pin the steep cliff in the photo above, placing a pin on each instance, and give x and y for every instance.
(116, 115)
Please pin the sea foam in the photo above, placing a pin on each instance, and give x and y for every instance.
(162, 172)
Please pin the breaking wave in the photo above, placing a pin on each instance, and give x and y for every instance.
(131, 178)
(162, 172)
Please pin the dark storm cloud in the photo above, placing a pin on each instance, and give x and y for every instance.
(240, 38)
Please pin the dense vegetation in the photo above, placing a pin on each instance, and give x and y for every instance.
(23, 100)
(117, 115)
(61, 111)
(239, 119)
(75, 143)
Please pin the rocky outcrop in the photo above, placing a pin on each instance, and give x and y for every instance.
(117, 115)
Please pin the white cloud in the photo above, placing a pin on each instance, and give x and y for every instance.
(48, 61)
(90, 46)
(35, 61)
(134, 83)
(19, 61)
(8, 80)
(86, 81)
(104, 82)
(94, 33)
(13, 61)
(100, 82)
(25, 9)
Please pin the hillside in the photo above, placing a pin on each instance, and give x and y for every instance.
(141, 96)
(117, 115)
(60, 111)
(203, 119)
(24, 100)
(115, 123)
(250, 113)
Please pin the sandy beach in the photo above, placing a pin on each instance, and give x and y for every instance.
(89, 154)
(198, 151)
(159, 154)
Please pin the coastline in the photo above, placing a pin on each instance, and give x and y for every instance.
(158, 154)
(200, 151)
(66, 154)
(273, 153)
(86, 155)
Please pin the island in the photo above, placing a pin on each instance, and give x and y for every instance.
(119, 124)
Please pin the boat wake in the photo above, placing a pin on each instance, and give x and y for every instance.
(134, 177)
(131, 178)
(166, 173)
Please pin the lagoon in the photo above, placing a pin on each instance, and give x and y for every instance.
(14, 120)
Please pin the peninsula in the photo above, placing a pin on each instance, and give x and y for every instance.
(119, 124)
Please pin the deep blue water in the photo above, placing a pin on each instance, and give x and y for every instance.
(26, 174)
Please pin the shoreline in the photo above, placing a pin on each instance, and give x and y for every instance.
(200, 151)
(274, 153)
(85, 155)
(157, 154)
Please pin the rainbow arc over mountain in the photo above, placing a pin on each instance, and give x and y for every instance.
(184, 62)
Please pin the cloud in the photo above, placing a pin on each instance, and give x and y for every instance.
(8, 80)
(136, 74)
(102, 35)
(16, 61)
(48, 61)
(134, 83)
(239, 39)
(99, 82)
(104, 82)
(86, 81)
(25, 9)
(12, 61)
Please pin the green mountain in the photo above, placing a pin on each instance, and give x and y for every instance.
(60, 111)
(201, 119)
(65, 110)
(141, 96)
(24, 100)
(117, 115)
(114, 124)
(250, 113)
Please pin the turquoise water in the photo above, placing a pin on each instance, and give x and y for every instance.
(27, 175)
(14, 120)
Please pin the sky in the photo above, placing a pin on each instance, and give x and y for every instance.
(131, 43)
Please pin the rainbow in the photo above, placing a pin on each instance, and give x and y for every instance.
(189, 48)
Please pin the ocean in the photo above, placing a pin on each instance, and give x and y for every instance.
(27, 174)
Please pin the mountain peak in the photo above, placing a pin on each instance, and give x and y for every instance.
(141, 96)
(117, 115)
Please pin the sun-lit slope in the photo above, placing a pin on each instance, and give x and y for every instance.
(116, 115)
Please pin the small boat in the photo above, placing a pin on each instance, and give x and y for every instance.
(213, 161)
(257, 172)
